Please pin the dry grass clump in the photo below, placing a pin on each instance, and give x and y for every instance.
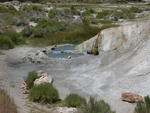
(6, 103)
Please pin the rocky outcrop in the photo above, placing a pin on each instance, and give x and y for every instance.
(132, 98)
(43, 79)
(87, 45)
(41, 73)
(35, 57)
(122, 37)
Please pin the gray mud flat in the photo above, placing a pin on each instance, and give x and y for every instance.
(122, 66)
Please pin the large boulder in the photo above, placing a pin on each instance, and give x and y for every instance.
(41, 73)
(43, 79)
(131, 97)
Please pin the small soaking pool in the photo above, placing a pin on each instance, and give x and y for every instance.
(64, 55)
(64, 48)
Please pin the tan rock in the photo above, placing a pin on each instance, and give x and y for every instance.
(41, 73)
(43, 79)
(131, 97)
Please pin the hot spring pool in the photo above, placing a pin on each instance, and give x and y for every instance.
(64, 55)
(66, 47)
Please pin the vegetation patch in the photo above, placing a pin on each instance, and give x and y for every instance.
(29, 8)
(43, 29)
(32, 76)
(7, 9)
(126, 13)
(88, 12)
(103, 13)
(93, 106)
(143, 107)
(53, 13)
(74, 35)
(9, 39)
(6, 43)
(44, 93)
(74, 100)
(6, 103)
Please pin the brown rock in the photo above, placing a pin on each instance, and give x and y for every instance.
(131, 97)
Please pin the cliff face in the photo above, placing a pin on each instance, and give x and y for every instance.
(123, 37)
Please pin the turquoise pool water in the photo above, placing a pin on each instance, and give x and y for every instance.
(63, 48)
(64, 55)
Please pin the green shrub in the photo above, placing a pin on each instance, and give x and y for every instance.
(74, 11)
(44, 28)
(88, 12)
(126, 13)
(29, 8)
(6, 42)
(32, 76)
(16, 38)
(74, 35)
(53, 13)
(94, 106)
(44, 93)
(103, 14)
(7, 9)
(74, 100)
(143, 107)
(9, 39)
(134, 9)
(27, 32)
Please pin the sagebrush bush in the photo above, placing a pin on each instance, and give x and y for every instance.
(74, 100)
(9, 39)
(44, 93)
(30, 8)
(15, 37)
(32, 76)
(126, 13)
(93, 106)
(143, 107)
(52, 13)
(74, 35)
(103, 14)
(6, 42)
(7, 9)
(44, 29)
(88, 12)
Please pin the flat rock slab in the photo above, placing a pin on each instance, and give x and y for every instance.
(131, 97)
